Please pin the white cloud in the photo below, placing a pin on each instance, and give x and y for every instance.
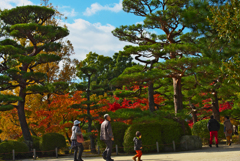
(96, 37)
(8, 4)
(95, 7)
(141, 22)
(71, 13)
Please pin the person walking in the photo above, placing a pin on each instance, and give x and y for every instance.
(228, 129)
(138, 146)
(76, 132)
(106, 135)
(213, 127)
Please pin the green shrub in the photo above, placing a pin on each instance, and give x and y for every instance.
(50, 141)
(36, 142)
(151, 133)
(200, 129)
(118, 129)
(162, 131)
(8, 146)
(185, 129)
(171, 131)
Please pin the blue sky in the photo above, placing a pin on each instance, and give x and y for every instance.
(90, 23)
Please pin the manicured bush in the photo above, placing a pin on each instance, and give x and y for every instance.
(50, 141)
(151, 133)
(171, 131)
(200, 129)
(119, 129)
(36, 142)
(185, 129)
(7, 147)
(163, 131)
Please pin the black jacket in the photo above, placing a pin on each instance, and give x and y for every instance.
(137, 143)
(213, 125)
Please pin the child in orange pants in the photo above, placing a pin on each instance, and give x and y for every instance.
(138, 146)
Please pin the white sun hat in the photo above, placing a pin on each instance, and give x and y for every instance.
(76, 122)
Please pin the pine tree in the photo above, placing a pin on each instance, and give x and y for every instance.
(173, 46)
(107, 68)
(225, 19)
(146, 79)
(19, 61)
(88, 107)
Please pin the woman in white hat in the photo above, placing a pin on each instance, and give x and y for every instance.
(76, 145)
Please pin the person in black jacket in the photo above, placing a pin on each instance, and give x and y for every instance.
(138, 146)
(213, 127)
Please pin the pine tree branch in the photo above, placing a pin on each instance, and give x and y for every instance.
(9, 87)
(168, 97)
(157, 87)
(142, 61)
(158, 106)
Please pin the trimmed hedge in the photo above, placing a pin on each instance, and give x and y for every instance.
(151, 133)
(200, 129)
(162, 131)
(118, 129)
(8, 146)
(50, 141)
(36, 142)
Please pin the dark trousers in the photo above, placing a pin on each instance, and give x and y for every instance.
(108, 150)
(80, 147)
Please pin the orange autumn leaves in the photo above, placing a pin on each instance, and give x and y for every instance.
(57, 116)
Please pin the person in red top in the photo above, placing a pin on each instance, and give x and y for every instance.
(213, 127)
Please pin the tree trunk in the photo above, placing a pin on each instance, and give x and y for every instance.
(68, 138)
(215, 107)
(193, 112)
(48, 103)
(194, 116)
(177, 87)
(93, 149)
(151, 97)
(22, 119)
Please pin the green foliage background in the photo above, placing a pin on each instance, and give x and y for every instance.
(119, 129)
(50, 141)
(200, 129)
(163, 131)
(8, 146)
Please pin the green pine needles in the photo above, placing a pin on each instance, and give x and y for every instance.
(31, 40)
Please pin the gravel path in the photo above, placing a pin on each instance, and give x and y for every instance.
(223, 153)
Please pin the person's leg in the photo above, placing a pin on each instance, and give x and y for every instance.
(75, 153)
(80, 152)
(216, 137)
(104, 154)
(228, 140)
(109, 150)
(211, 138)
(134, 158)
(139, 155)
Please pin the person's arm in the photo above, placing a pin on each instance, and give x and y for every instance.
(109, 130)
(140, 143)
(78, 131)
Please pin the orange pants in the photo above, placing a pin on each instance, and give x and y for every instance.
(139, 153)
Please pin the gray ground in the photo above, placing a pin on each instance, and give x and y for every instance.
(223, 153)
